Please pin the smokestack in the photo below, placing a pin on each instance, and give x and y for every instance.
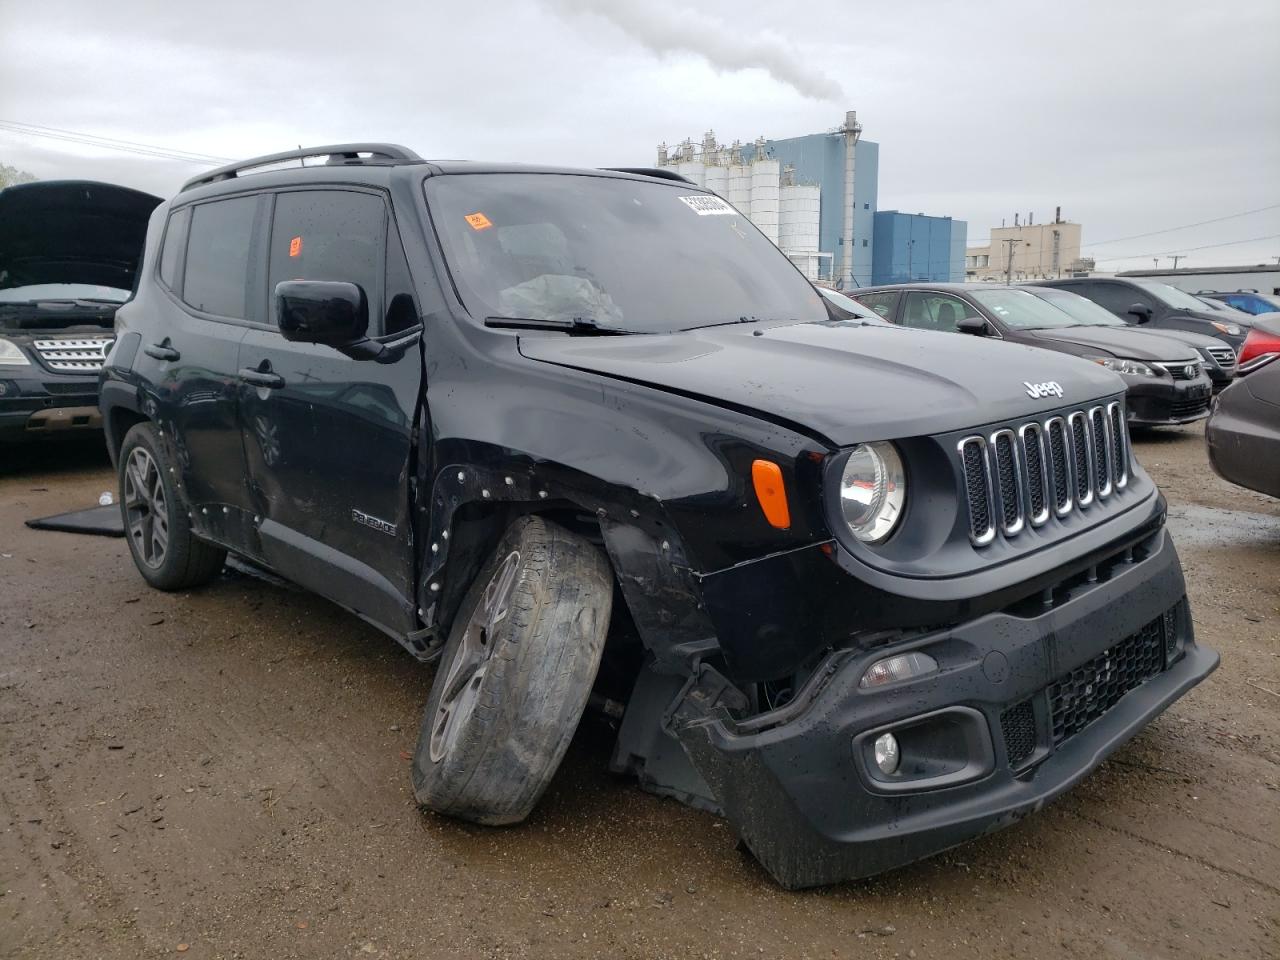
(1031, 217)
(851, 130)
(1015, 219)
(1057, 214)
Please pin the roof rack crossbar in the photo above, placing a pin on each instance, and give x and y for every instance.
(338, 154)
(663, 173)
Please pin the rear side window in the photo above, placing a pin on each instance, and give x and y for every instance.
(175, 242)
(330, 235)
(935, 311)
(217, 273)
(882, 303)
(1116, 297)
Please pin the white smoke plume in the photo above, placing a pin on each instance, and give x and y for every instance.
(669, 29)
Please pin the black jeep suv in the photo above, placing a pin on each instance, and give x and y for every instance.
(865, 591)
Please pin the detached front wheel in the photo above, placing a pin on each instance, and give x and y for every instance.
(514, 677)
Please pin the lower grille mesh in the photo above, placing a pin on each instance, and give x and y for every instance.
(1093, 688)
(1018, 727)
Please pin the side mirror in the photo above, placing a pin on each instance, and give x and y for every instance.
(1141, 311)
(974, 326)
(328, 312)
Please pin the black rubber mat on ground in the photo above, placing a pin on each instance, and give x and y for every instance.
(100, 521)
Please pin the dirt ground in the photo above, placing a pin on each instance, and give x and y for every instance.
(224, 773)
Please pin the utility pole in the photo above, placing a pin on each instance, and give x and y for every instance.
(1008, 266)
(1176, 258)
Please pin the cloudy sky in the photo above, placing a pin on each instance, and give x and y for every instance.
(1134, 116)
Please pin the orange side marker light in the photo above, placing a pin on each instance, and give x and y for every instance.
(766, 477)
(295, 246)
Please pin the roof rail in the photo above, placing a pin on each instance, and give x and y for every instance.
(662, 173)
(339, 154)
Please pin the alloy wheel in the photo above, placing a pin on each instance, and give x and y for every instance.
(146, 508)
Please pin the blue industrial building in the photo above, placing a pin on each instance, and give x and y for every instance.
(888, 246)
(912, 246)
(819, 158)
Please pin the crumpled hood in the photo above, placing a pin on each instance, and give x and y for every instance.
(843, 382)
(72, 231)
(1120, 342)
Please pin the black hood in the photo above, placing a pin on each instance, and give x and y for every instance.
(844, 382)
(1121, 342)
(72, 231)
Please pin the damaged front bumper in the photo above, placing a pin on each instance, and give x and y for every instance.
(1024, 704)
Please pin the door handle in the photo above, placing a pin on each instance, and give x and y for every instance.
(261, 378)
(161, 351)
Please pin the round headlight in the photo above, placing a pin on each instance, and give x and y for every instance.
(873, 490)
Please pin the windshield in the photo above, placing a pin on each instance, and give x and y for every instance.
(1170, 296)
(1083, 311)
(623, 254)
(1022, 310)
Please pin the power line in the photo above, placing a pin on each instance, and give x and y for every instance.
(1181, 250)
(109, 143)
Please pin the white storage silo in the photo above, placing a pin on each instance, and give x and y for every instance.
(740, 187)
(765, 175)
(799, 208)
(692, 170)
(717, 179)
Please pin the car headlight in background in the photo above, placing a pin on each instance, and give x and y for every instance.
(1133, 368)
(11, 356)
(1230, 329)
(873, 491)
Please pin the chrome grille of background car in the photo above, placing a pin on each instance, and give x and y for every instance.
(1019, 476)
(74, 356)
(1184, 370)
(1224, 356)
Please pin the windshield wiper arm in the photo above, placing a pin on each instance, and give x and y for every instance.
(578, 326)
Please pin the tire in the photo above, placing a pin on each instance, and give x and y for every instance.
(165, 551)
(523, 652)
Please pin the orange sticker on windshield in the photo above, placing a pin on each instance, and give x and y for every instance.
(478, 221)
(295, 246)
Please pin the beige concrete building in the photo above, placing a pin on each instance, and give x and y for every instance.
(1038, 251)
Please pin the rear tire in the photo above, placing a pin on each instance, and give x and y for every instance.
(165, 551)
(514, 677)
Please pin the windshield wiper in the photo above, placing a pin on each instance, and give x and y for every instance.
(577, 327)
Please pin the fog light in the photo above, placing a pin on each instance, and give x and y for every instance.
(904, 666)
(887, 753)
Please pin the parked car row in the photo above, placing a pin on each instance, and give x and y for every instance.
(1166, 376)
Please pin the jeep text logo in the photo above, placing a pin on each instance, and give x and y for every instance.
(1050, 388)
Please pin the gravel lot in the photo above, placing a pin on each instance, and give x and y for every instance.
(224, 773)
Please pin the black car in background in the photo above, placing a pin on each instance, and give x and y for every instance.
(1218, 357)
(69, 255)
(1165, 378)
(1243, 433)
(1246, 301)
(1159, 306)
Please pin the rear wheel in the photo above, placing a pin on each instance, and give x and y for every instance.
(514, 677)
(167, 554)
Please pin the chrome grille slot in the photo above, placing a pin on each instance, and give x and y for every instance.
(1023, 475)
(1060, 465)
(1033, 458)
(74, 355)
(1081, 458)
(1101, 452)
(1119, 446)
(1006, 482)
(977, 482)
